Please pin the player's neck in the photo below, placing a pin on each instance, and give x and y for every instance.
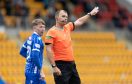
(59, 26)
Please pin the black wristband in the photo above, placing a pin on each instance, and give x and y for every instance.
(53, 65)
(89, 14)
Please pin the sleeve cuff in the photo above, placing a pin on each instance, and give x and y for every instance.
(73, 26)
(47, 43)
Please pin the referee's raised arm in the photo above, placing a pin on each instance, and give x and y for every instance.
(85, 18)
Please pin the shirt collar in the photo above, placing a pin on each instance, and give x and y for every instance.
(36, 33)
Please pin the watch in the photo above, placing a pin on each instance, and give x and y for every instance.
(53, 65)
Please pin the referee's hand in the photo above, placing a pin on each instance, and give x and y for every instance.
(56, 71)
(94, 11)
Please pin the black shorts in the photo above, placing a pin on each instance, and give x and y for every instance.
(69, 73)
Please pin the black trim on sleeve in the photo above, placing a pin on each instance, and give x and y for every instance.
(47, 43)
(73, 26)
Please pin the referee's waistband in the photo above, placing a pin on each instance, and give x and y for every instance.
(61, 61)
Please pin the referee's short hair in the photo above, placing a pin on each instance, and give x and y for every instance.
(57, 13)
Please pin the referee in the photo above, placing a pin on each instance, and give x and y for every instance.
(59, 48)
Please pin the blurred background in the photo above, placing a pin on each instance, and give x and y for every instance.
(102, 46)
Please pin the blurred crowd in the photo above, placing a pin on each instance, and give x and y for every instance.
(14, 8)
(111, 14)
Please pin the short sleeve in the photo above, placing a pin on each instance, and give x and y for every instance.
(70, 26)
(36, 44)
(49, 37)
(25, 45)
(23, 50)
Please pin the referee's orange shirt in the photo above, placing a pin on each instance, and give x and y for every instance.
(61, 40)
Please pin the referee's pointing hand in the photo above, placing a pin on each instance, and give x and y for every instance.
(94, 11)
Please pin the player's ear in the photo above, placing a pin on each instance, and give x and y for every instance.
(34, 27)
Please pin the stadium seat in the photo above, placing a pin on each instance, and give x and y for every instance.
(99, 57)
(2, 36)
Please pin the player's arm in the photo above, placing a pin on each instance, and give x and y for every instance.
(85, 18)
(49, 41)
(49, 53)
(23, 50)
(49, 45)
(50, 57)
(36, 53)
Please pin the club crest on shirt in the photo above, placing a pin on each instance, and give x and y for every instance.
(37, 45)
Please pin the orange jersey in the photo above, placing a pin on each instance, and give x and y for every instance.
(61, 40)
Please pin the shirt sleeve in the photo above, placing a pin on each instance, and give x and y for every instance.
(70, 26)
(35, 55)
(23, 50)
(50, 37)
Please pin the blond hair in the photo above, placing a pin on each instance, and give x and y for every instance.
(37, 21)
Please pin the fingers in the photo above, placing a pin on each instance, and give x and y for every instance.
(97, 8)
(57, 72)
(42, 78)
(95, 11)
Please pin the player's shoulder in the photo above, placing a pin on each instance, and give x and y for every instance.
(30, 38)
(28, 41)
(52, 29)
(36, 37)
(68, 24)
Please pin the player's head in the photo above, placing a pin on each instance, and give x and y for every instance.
(38, 26)
(61, 17)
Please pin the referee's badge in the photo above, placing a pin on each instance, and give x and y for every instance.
(48, 37)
